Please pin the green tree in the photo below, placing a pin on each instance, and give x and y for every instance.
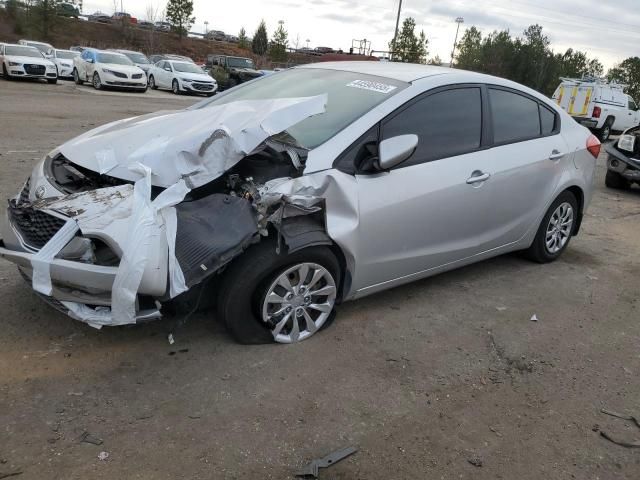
(628, 73)
(409, 47)
(243, 41)
(44, 15)
(437, 61)
(279, 43)
(179, 13)
(470, 50)
(260, 42)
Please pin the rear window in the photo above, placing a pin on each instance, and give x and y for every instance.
(515, 117)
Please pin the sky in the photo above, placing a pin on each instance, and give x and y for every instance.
(603, 29)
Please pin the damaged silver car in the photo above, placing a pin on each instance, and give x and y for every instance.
(297, 191)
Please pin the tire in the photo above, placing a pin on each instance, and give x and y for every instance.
(5, 74)
(143, 90)
(152, 83)
(605, 132)
(175, 87)
(232, 83)
(617, 181)
(76, 77)
(52, 81)
(97, 84)
(539, 250)
(245, 284)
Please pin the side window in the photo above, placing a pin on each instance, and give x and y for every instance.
(547, 120)
(84, 55)
(515, 117)
(447, 123)
(632, 105)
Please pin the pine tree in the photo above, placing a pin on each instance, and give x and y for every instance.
(243, 41)
(279, 43)
(179, 14)
(260, 42)
(408, 47)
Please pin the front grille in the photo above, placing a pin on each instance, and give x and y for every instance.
(125, 84)
(35, 227)
(202, 86)
(35, 69)
(136, 76)
(24, 194)
(120, 75)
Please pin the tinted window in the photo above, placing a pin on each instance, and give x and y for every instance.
(515, 117)
(447, 123)
(548, 120)
(632, 105)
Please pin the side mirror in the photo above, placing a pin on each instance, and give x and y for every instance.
(393, 151)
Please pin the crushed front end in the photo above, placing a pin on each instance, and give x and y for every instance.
(624, 156)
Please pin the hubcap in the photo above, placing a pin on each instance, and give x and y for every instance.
(559, 228)
(299, 302)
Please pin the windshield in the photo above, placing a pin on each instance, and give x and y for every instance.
(22, 51)
(66, 55)
(113, 58)
(40, 46)
(240, 62)
(186, 67)
(137, 58)
(350, 95)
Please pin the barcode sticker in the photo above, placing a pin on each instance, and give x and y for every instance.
(373, 86)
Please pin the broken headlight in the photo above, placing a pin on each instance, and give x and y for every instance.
(627, 143)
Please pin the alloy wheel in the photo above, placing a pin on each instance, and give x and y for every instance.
(299, 302)
(176, 87)
(96, 81)
(559, 228)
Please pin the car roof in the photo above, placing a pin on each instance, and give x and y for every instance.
(120, 50)
(404, 72)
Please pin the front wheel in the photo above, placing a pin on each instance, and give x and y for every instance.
(97, 84)
(285, 298)
(556, 229)
(52, 81)
(615, 180)
(152, 83)
(5, 74)
(175, 87)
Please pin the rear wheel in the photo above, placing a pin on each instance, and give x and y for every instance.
(605, 131)
(286, 298)
(556, 229)
(615, 180)
(76, 77)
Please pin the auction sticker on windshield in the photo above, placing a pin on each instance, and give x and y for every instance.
(373, 86)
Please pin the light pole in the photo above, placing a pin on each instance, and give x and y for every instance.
(395, 35)
(459, 20)
(206, 27)
(308, 43)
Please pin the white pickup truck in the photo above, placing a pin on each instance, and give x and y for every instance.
(602, 107)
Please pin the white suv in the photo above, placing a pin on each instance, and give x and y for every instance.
(108, 69)
(602, 107)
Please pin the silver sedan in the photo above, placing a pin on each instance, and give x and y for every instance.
(292, 193)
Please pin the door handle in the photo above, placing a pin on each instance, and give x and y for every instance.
(477, 176)
(556, 155)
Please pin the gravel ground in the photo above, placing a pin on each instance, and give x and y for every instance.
(441, 379)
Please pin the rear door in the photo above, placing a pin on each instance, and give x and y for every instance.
(579, 100)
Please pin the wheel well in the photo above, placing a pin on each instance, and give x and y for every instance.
(579, 194)
(345, 280)
(610, 120)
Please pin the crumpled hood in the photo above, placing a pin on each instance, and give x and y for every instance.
(196, 145)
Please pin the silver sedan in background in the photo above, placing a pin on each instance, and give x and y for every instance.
(355, 177)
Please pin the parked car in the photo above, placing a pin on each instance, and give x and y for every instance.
(217, 35)
(181, 77)
(162, 26)
(623, 162)
(63, 60)
(231, 38)
(139, 59)
(169, 56)
(66, 9)
(77, 48)
(284, 197)
(45, 48)
(232, 71)
(106, 69)
(603, 107)
(22, 61)
(323, 50)
(145, 24)
(123, 17)
(99, 17)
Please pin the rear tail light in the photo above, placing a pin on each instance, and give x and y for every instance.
(593, 145)
(596, 112)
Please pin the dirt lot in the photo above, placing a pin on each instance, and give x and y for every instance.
(445, 378)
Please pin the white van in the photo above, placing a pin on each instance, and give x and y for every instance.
(598, 105)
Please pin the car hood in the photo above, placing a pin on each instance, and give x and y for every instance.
(247, 71)
(29, 60)
(197, 145)
(200, 77)
(116, 67)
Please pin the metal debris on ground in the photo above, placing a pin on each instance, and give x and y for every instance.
(171, 340)
(629, 418)
(311, 470)
(103, 455)
(534, 318)
(86, 437)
